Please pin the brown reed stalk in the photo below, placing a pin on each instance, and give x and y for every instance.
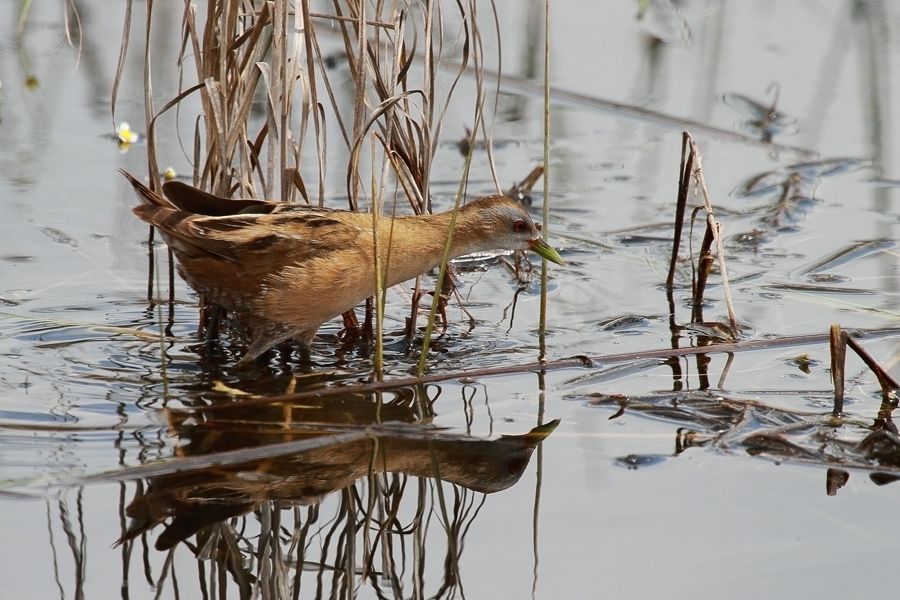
(838, 348)
(691, 169)
(839, 341)
(684, 186)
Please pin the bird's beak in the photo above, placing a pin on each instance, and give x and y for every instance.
(545, 250)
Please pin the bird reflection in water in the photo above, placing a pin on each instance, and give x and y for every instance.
(385, 482)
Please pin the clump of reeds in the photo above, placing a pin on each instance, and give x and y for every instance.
(268, 89)
(691, 176)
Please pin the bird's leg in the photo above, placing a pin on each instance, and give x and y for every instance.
(211, 316)
(442, 307)
(305, 352)
(212, 325)
(448, 287)
(351, 324)
(203, 319)
(414, 313)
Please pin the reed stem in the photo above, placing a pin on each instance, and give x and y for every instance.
(545, 231)
(442, 272)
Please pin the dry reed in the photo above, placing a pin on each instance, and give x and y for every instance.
(260, 82)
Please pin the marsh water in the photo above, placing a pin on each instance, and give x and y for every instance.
(709, 475)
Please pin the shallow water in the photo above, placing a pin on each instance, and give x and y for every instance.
(686, 479)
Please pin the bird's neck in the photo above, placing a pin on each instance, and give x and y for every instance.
(411, 246)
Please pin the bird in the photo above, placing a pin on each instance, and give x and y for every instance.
(288, 268)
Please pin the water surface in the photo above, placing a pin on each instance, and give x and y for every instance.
(688, 479)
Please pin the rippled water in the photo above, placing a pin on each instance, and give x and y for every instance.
(717, 474)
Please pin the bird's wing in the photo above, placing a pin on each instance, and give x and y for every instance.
(260, 243)
(259, 236)
(190, 199)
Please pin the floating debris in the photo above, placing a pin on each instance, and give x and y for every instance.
(633, 462)
(763, 121)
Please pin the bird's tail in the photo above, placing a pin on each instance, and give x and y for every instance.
(147, 196)
(154, 208)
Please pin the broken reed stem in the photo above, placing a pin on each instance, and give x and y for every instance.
(704, 268)
(545, 231)
(838, 347)
(684, 185)
(522, 191)
(839, 341)
(716, 229)
(889, 385)
(690, 156)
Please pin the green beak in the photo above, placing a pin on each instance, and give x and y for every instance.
(545, 250)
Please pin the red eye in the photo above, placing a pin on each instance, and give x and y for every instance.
(520, 225)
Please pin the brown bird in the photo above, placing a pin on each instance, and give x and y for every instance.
(288, 268)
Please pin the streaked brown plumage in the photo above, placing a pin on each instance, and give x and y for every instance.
(289, 268)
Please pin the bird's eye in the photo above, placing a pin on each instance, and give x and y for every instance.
(520, 226)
